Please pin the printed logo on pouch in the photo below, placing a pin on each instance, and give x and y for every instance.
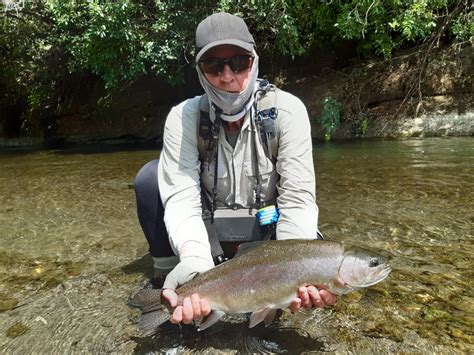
(235, 237)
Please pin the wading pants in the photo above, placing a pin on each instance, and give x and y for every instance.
(150, 210)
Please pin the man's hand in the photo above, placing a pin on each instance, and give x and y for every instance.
(193, 308)
(311, 296)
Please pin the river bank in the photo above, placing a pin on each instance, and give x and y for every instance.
(439, 124)
(413, 95)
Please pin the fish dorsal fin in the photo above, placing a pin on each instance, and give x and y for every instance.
(211, 319)
(246, 247)
(260, 315)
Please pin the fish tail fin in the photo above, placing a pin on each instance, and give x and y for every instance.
(150, 321)
(145, 299)
(153, 314)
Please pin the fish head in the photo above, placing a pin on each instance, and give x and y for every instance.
(362, 268)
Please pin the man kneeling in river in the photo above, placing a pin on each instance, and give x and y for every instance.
(243, 146)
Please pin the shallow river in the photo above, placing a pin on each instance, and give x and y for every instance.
(71, 252)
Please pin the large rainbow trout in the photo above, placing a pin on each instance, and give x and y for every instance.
(265, 278)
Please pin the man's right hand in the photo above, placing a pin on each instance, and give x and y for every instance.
(192, 308)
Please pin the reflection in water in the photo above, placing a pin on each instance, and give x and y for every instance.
(72, 251)
(227, 337)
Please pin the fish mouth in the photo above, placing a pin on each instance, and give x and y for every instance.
(380, 277)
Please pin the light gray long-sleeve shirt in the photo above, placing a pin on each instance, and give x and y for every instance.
(290, 181)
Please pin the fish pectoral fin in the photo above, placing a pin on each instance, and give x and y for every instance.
(211, 320)
(150, 321)
(260, 315)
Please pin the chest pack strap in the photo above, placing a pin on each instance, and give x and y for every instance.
(216, 249)
(207, 132)
(265, 114)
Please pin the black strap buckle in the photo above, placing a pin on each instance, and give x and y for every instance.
(219, 259)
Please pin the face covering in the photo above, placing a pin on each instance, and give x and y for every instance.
(233, 105)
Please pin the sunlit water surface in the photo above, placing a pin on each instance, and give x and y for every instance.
(72, 251)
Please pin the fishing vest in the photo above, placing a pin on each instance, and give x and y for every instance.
(229, 223)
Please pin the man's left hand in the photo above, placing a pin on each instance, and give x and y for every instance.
(312, 296)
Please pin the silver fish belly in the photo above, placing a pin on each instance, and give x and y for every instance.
(267, 277)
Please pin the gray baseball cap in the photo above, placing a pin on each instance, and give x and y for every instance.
(222, 28)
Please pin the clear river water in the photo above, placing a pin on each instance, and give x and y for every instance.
(71, 252)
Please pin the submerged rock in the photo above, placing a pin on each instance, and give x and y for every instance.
(7, 303)
(16, 330)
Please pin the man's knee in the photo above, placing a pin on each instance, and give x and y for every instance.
(147, 176)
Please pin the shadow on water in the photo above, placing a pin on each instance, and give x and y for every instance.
(144, 266)
(226, 336)
(9, 153)
(82, 148)
(104, 147)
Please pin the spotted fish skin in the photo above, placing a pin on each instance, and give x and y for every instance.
(268, 276)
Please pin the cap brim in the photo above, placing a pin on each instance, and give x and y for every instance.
(234, 42)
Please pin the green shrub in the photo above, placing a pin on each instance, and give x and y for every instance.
(361, 126)
(330, 117)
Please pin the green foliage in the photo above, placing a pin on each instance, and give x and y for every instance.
(385, 25)
(37, 95)
(47, 40)
(121, 40)
(376, 26)
(361, 126)
(463, 27)
(272, 23)
(364, 126)
(330, 117)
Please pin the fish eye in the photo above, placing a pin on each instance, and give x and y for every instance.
(374, 262)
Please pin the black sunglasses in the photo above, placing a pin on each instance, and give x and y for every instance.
(236, 63)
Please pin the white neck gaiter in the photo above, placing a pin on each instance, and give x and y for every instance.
(233, 105)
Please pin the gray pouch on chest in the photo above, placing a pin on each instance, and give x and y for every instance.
(239, 225)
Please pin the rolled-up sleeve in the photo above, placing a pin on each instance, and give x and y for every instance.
(179, 182)
(297, 184)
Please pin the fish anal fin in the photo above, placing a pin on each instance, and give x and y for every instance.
(211, 319)
(270, 317)
(260, 315)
